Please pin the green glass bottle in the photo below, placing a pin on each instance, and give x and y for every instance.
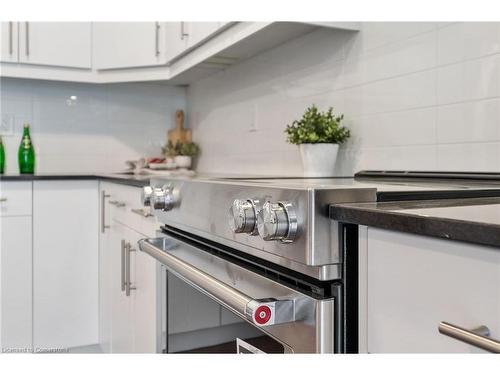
(26, 155)
(2, 157)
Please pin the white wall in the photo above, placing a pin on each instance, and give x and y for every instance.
(416, 96)
(105, 126)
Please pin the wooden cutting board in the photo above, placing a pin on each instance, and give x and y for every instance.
(179, 133)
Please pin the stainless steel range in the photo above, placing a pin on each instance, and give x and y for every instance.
(266, 250)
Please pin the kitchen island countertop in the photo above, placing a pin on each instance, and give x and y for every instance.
(474, 220)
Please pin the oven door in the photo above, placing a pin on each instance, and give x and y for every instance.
(255, 313)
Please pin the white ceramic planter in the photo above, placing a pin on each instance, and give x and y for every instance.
(319, 159)
(183, 161)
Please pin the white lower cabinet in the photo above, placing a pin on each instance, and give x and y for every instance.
(16, 281)
(133, 313)
(128, 323)
(65, 263)
(410, 283)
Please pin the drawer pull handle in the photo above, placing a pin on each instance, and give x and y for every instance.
(3, 199)
(117, 203)
(103, 213)
(141, 212)
(476, 337)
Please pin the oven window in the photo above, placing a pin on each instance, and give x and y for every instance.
(198, 324)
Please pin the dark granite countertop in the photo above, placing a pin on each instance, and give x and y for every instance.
(125, 179)
(475, 220)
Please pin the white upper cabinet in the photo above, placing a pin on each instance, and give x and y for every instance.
(8, 42)
(110, 52)
(198, 31)
(123, 45)
(119, 45)
(64, 44)
(176, 39)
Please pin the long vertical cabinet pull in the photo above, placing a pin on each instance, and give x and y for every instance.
(11, 41)
(123, 280)
(103, 215)
(128, 282)
(183, 31)
(27, 38)
(157, 39)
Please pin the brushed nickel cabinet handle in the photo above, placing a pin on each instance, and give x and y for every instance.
(27, 38)
(122, 266)
(117, 203)
(103, 214)
(128, 282)
(183, 31)
(476, 337)
(142, 212)
(11, 42)
(157, 39)
(3, 200)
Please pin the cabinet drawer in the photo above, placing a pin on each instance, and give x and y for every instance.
(125, 206)
(416, 282)
(15, 198)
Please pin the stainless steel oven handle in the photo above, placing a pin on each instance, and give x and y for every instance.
(476, 337)
(261, 312)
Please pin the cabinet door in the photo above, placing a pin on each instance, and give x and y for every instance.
(105, 276)
(176, 39)
(65, 263)
(66, 44)
(119, 45)
(416, 282)
(8, 52)
(198, 31)
(145, 299)
(15, 283)
(122, 339)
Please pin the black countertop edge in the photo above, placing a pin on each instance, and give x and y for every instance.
(130, 180)
(451, 229)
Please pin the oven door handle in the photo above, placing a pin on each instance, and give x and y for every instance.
(261, 312)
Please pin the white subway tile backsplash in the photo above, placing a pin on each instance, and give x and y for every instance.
(406, 92)
(94, 132)
(483, 157)
(414, 127)
(477, 121)
(400, 158)
(467, 40)
(399, 58)
(469, 80)
(415, 96)
(377, 34)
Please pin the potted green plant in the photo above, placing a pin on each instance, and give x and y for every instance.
(169, 151)
(185, 153)
(181, 153)
(318, 135)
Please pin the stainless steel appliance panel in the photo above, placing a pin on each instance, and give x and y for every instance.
(201, 208)
(301, 323)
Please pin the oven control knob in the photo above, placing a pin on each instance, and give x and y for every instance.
(277, 221)
(163, 198)
(147, 192)
(242, 216)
